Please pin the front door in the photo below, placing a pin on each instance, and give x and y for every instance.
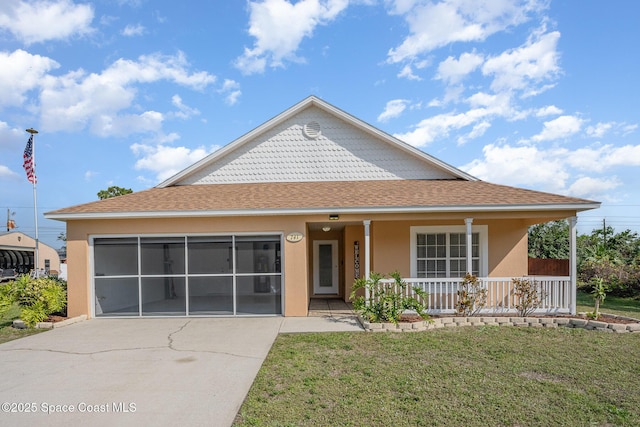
(325, 267)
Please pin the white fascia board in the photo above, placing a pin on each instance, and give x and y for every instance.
(319, 211)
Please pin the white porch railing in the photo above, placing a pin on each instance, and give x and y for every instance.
(442, 294)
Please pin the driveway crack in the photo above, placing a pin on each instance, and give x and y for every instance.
(170, 336)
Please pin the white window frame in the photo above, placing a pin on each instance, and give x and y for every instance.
(483, 243)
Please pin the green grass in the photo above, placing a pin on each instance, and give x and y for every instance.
(485, 376)
(628, 307)
(8, 332)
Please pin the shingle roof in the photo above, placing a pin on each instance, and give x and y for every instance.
(298, 197)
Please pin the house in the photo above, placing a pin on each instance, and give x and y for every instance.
(17, 252)
(296, 209)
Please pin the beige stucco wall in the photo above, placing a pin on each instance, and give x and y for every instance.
(352, 234)
(390, 245)
(295, 263)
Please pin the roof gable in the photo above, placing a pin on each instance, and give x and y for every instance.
(314, 142)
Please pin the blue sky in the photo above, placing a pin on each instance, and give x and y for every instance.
(531, 93)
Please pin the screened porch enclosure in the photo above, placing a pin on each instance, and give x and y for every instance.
(232, 275)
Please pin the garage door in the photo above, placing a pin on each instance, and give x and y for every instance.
(231, 275)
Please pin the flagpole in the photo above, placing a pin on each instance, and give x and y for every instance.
(35, 207)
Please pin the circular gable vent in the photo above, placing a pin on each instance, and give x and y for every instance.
(312, 130)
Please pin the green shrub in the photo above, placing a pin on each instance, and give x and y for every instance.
(387, 302)
(37, 298)
(472, 296)
(33, 314)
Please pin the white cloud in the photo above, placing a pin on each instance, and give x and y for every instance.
(280, 26)
(166, 161)
(231, 90)
(554, 168)
(453, 70)
(100, 101)
(601, 158)
(9, 134)
(184, 111)
(627, 129)
(21, 72)
(133, 30)
(5, 172)
(549, 110)
(590, 187)
(515, 73)
(407, 73)
(436, 24)
(601, 129)
(43, 20)
(523, 165)
(562, 127)
(526, 66)
(477, 131)
(440, 126)
(125, 124)
(484, 108)
(393, 109)
(89, 175)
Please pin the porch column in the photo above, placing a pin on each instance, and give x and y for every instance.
(469, 222)
(573, 264)
(367, 256)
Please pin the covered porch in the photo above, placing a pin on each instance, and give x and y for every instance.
(365, 250)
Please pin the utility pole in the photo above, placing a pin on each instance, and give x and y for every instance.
(10, 224)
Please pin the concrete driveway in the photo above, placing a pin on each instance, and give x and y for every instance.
(191, 372)
(134, 372)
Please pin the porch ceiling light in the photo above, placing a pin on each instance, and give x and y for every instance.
(326, 228)
(334, 217)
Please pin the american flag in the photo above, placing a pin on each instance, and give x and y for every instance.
(28, 164)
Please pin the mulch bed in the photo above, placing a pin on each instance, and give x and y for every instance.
(54, 319)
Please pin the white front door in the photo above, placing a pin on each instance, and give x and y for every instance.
(325, 267)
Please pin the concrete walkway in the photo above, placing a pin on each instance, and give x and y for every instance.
(325, 315)
(129, 372)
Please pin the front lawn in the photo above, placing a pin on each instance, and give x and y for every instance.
(628, 307)
(8, 332)
(468, 376)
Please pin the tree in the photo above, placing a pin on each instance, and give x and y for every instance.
(612, 257)
(602, 254)
(63, 237)
(549, 240)
(113, 191)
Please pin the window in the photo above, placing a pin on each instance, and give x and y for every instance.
(441, 252)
